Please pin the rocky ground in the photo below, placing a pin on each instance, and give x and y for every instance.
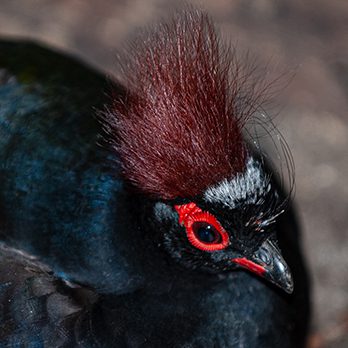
(306, 40)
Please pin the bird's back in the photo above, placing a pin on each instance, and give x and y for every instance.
(61, 197)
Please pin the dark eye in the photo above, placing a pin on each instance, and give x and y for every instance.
(206, 233)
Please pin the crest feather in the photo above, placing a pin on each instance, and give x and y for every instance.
(178, 129)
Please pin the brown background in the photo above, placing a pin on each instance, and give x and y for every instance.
(308, 40)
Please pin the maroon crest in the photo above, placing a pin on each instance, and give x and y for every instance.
(178, 130)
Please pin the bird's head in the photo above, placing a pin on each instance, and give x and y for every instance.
(178, 134)
(232, 225)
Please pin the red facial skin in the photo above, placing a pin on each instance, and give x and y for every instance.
(250, 265)
(190, 213)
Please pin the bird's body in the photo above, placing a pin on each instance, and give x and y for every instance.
(102, 273)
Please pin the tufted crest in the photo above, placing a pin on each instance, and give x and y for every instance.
(178, 130)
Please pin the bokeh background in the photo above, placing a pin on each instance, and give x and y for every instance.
(307, 40)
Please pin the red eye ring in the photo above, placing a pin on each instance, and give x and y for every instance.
(189, 214)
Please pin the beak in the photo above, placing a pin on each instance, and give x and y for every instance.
(268, 263)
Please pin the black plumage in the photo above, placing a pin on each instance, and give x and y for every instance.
(87, 261)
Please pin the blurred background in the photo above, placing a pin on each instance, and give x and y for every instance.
(308, 40)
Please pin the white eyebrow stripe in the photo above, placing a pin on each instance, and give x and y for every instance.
(248, 186)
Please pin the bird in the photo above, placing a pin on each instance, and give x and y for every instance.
(134, 212)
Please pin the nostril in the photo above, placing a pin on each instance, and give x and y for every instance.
(263, 256)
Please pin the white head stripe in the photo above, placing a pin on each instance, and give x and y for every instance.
(249, 187)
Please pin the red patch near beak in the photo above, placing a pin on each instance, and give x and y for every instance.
(250, 265)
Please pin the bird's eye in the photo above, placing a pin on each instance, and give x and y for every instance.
(202, 229)
(205, 232)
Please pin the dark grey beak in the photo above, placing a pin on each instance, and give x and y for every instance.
(268, 263)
